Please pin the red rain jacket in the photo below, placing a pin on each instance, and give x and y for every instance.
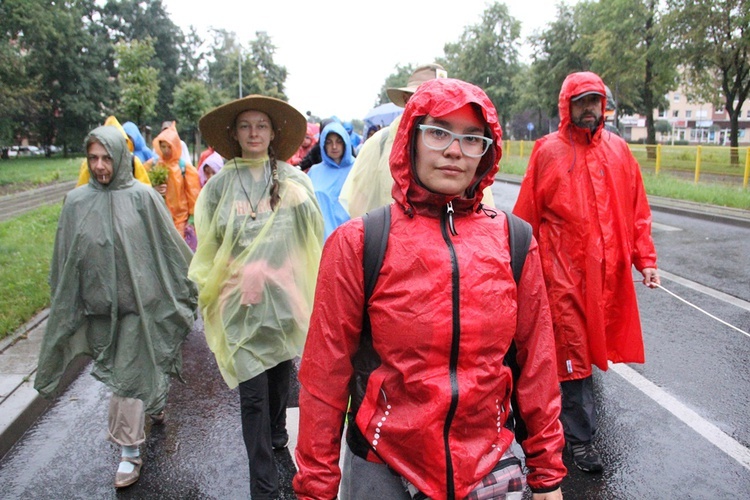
(443, 312)
(584, 196)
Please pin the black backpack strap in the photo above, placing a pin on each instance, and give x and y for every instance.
(519, 239)
(377, 225)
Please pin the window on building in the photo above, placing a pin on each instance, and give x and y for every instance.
(748, 113)
(662, 113)
(676, 96)
(702, 113)
(688, 113)
(676, 113)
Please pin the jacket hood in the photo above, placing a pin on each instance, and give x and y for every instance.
(114, 142)
(347, 159)
(576, 84)
(170, 136)
(139, 143)
(437, 98)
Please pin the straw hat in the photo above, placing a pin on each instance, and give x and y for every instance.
(399, 96)
(289, 126)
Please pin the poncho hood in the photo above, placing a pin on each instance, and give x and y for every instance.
(347, 160)
(576, 84)
(140, 149)
(113, 141)
(170, 136)
(437, 98)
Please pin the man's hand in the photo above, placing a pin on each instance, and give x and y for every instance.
(552, 495)
(161, 189)
(651, 277)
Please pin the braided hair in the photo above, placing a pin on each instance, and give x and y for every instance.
(275, 197)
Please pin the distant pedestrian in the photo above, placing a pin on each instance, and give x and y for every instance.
(211, 166)
(583, 195)
(329, 175)
(120, 295)
(259, 242)
(182, 185)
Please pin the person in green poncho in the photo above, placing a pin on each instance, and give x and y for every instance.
(120, 295)
(260, 233)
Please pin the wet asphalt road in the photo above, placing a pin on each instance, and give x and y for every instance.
(648, 451)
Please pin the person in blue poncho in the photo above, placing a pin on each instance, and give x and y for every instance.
(140, 148)
(329, 175)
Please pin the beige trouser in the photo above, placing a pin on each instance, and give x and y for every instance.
(127, 421)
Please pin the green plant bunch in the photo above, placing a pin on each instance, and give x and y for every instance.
(26, 244)
(158, 175)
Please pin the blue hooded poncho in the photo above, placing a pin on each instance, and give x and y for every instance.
(328, 177)
(140, 149)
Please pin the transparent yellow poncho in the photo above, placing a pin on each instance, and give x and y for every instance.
(256, 268)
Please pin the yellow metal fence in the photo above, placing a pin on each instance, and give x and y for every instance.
(715, 163)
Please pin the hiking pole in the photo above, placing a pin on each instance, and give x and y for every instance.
(703, 311)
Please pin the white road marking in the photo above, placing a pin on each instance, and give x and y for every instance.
(663, 227)
(742, 304)
(706, 429)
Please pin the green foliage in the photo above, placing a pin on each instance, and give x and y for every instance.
(487, 56)
(138, 81)
(129, 20)
(714, 41)
(26, 244)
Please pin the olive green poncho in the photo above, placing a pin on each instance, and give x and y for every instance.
(120, 292)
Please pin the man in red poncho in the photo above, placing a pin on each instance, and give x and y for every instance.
(584, 197)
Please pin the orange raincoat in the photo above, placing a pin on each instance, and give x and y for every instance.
(183, 183)
(583, 194)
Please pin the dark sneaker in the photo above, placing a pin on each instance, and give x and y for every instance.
(280, 441)
(586, 457)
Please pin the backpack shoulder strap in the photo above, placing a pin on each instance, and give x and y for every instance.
(377, 226)
(519, 239)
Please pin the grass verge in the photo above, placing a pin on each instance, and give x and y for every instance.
(26, 244)
(20, 174)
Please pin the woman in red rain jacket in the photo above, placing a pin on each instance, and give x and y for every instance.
(429, 417)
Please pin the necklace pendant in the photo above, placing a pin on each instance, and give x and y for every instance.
(252, 215)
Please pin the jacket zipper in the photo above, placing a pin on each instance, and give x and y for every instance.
(447, 222)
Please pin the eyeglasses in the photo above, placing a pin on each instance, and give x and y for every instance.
(439, 139)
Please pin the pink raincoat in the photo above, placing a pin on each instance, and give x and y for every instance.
(584, 196)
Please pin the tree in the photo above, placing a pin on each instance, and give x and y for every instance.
(714, 40)
(557, 53)
(140, 19)
(487, 56)
(628, 49)
(69, 58)
(258, 72)
(192, 100)
(139, 82)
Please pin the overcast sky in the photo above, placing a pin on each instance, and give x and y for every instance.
(338, 53)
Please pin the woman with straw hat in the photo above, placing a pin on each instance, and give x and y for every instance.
(260, 235)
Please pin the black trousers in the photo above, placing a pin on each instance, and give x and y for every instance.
(578, 415)
(263, 401)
